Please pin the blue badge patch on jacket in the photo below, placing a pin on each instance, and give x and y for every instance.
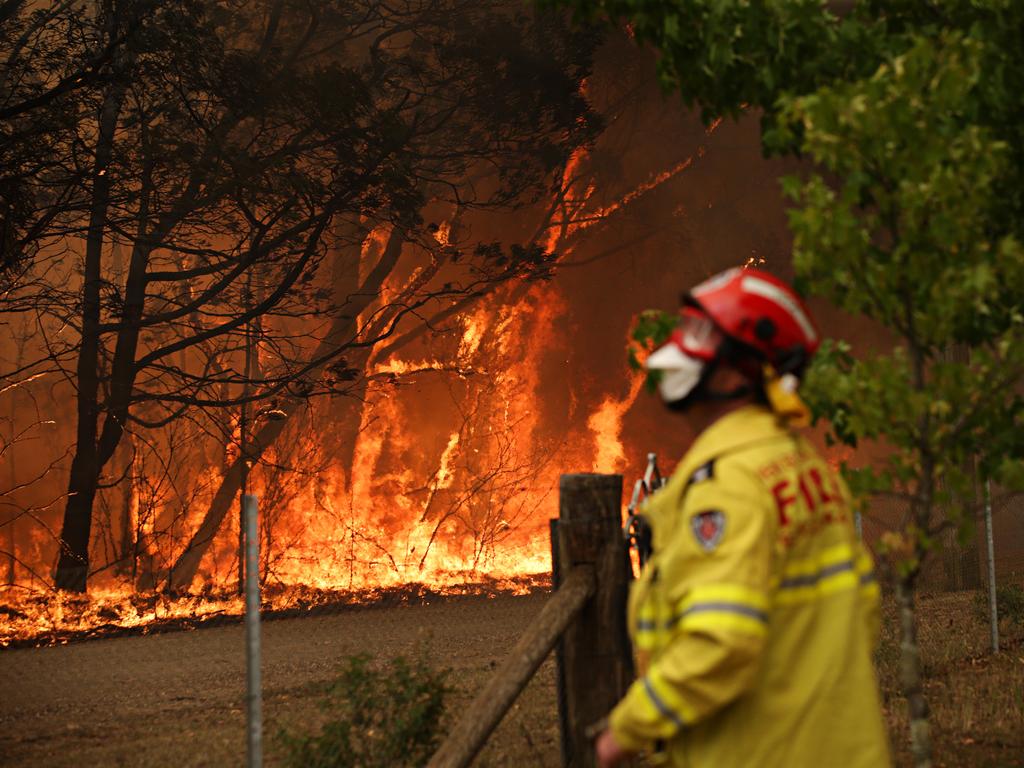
(708, 527)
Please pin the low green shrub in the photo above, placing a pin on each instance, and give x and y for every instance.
(1010, 603)
(1010, 599)
(379, 715)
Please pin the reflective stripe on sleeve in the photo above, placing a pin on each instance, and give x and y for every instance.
(810, 579)
(648, 632)
(722, 606)
(737, 608)
(724, 620)
(665, 702)
(835, 569)
(660, 705)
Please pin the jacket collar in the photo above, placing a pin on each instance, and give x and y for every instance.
(745, 425)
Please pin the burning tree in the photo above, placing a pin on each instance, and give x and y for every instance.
(362, 485)
(446, 343)
(246, 180)
(913, 217)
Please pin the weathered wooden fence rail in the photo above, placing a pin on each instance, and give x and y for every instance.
(585, 617)
(491, 704)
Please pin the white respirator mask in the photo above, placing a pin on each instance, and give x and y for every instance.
(680, 373)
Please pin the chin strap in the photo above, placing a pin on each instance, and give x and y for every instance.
(782, 395)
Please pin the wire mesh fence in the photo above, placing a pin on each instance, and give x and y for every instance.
(959, 561)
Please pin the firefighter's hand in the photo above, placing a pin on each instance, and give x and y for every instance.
(609, 752)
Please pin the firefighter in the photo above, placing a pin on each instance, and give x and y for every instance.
(755, 618)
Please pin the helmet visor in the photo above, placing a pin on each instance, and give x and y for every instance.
(696, 335)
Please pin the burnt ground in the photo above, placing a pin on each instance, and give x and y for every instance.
(177, 699)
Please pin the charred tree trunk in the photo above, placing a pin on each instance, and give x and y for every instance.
(345, 279)
(186, 566)
(122, 380)
(12, 539)
(350, 419)
(922, 511)
(73, 563)
(12, 542)
(126, 539)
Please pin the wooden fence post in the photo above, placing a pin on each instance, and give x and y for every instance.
(597, 665)
(491, 704)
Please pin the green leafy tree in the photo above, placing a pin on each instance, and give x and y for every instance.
(911, 214)
(908, 237)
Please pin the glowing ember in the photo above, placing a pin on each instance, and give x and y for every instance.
(443, 233)
(647, 186)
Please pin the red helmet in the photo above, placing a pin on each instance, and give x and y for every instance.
(760, 311)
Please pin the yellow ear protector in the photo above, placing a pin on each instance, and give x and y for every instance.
(783, 397)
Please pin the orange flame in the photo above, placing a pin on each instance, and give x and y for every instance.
(606, 426)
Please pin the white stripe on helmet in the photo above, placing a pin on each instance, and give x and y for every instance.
(773, 293)
(714, 283)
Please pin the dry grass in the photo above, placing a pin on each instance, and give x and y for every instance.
(177, 699)
(976, 698)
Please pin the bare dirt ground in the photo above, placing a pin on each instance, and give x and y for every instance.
(177, 699)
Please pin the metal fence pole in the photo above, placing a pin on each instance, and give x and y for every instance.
(993, 608)
(254, 692)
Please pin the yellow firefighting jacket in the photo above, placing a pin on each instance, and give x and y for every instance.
(755, 619)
